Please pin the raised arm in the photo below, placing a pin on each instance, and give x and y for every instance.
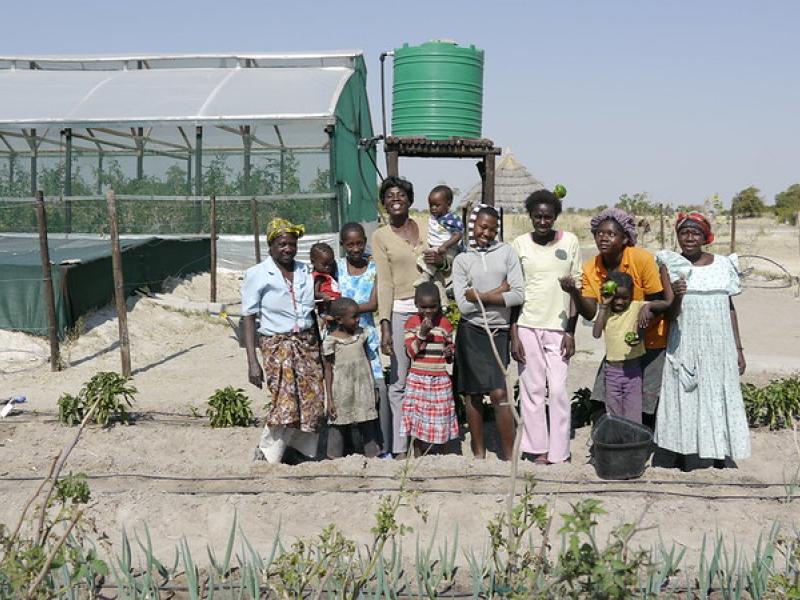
(602, 316)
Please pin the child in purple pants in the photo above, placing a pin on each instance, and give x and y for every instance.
(618, 318)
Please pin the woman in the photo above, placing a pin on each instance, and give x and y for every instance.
(280, 291)
(396, 248)
(543, 337)
(701, 418)
(488, 271)
(614, 232)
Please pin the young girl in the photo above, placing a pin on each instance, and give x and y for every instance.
(429, 414)
(357, 280)
(348, 381)
(622, 320)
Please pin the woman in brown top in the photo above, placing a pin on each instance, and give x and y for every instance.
(396, 248)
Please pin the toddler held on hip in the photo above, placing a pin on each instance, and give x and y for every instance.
(428, 407)
(349, 382)
(326, 287)
(622, 322)
(445, 231)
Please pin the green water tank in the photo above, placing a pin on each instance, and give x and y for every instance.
(437, 91)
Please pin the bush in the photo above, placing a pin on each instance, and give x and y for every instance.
(230, 407)
(776, 405)
(112, 393)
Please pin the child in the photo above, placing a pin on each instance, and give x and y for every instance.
(348, 381)
(444, 232)
(357, 280)
(326, 288)
(619, 317)
(429, 414)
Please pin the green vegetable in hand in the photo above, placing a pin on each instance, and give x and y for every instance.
(632, 338)
(608, 288)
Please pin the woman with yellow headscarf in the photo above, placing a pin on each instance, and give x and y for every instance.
(280, 291)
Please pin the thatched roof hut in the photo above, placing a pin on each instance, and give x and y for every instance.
(513, 184)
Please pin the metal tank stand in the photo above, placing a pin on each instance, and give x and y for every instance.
(421, 147)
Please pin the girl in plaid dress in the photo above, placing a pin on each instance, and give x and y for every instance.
(429, 414)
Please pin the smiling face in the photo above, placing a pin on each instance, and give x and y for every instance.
(485, 229)
(543, 218)
(438, 204)
(283, 249)
(396, 202)
(691, 240)
(354, 244)
(610, 238)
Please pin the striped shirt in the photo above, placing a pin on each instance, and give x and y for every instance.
(428, 355)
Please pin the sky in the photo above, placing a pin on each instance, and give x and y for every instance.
(680, 99)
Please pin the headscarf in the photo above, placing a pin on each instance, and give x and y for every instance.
(626, 222)
(278, 227)
(473, 216)
(696, 220)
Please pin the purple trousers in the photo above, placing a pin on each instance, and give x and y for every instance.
(624, 389)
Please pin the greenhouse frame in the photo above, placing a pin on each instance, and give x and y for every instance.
(165, 132)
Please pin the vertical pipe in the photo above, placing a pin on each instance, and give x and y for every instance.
(283, 168)
(68, 180)
(189, 174)
(198, 177)
(248, 143)
(49, 295)
(213, 248)
(139, 153)
(338, 211)
(488, 180)
(99, 173)
(254, 222)
(661, 224)
(733, 226)
(119, 284)
(34, 156)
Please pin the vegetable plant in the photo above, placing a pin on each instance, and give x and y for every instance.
(230, 407)
(776, 405)
(113, 394)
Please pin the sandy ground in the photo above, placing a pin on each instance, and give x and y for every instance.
(179, 359)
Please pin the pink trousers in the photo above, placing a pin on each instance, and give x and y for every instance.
(544, 369)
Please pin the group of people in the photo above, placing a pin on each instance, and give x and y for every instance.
(673, 352)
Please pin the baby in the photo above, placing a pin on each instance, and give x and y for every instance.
(445, 231)
(326, 287)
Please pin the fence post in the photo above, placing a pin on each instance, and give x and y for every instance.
(213, 248)
(119, 284)
(661, 238)
(254, 220)
(49, 295)
(733, 227)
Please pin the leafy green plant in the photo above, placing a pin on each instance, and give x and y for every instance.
(452, 313)
(776, 405)
(230, 407)
(112, 393)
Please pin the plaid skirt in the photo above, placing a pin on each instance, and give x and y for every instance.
(429, 412)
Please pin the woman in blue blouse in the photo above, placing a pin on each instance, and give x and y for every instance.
(281, 291)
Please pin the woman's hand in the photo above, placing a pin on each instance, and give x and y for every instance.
(331, 412)
(471, 295)
(645, 316)
(386, 339)
(431, 257)
(679, 287)
(517, 349)
(255, 375)
(567, 345)
(741, 361)
(568, 284)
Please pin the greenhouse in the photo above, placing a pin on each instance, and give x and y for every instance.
(166, 132)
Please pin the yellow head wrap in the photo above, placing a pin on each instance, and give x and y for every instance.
(279, 226)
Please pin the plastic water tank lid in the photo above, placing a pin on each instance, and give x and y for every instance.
(444, 41)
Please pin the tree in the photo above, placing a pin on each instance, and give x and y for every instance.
(787, 204)
(639, 204)
(748, 203)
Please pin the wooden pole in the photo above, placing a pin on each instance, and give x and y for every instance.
(488, 180)
(254, 219)
(392, 163)
(213, 248)
(119, 284)
(733, 227)
(661, 238)
(49, 295)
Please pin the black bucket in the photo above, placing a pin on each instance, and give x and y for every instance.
(621, 447)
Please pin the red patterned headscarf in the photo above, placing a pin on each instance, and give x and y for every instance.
(696, 220)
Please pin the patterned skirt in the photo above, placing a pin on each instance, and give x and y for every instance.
(429, 412)
(293, 374)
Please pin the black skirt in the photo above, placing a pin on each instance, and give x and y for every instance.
(476, 370)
